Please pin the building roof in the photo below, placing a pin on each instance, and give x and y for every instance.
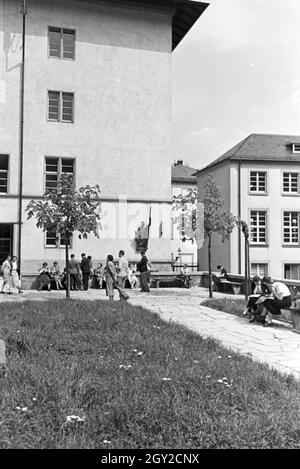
(187, 12)
(183, 174)
(261, 147)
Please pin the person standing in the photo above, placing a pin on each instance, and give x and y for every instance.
(91, 270)
(15, 275)
(85, 269)
(74, 270)
(111, 280)
(122, 270)
(142, 267)
(6, 272)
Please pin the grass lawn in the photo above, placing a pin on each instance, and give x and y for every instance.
(135, 381)
(236, 306)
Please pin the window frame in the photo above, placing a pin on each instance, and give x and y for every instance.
(259, 243)
(7, 174)
(60, 106)
(266, 263)
(58, 244)
(290, 264)
(290, 244)
(59, 172)
(61, 43)
(289, 193)
(258, 192)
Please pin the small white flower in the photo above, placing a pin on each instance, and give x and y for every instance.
(207, 376)
(121, 366)
(134, 350)
(176, 359)
(196, 361)
(219, 356)
(34, 399)
(225, 379)
(18, 407)
(18, 331)
(140, 353)
(166, 379)
(106, 442)
(24, 409)
(229, 356)
(75, 418)
(220, 381)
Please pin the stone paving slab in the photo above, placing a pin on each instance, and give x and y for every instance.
(277, 346)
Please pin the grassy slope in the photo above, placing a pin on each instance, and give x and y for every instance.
(67, 356)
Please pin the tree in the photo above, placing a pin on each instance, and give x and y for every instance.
(185, 214)
(64, 210)
(216, 219)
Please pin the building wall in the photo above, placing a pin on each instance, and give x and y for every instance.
(220, 250)
(121, 135)
(274, 253)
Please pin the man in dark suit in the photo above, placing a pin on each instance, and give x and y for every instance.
(85, 269)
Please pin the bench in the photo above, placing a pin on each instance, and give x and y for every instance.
(295, 316)
(236, 286)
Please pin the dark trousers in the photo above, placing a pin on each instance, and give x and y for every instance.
(75, 282)
(274, 306)
(144, 281)
(85, 280)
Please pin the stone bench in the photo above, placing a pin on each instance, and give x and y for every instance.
(295, 316)
(236, 286)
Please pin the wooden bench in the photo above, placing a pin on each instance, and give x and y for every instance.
(236, 286)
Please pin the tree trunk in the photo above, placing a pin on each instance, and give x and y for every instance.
(209, 267)
(67, 268)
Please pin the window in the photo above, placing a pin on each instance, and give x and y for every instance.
(55, 167)
(290, 227)
(258, 227)
(61, 43)
(3, 173)
(258, 182)
(259, 269)
(292, 271)
(296, 147)
(60, 106)
(290, 183)
(54, 240)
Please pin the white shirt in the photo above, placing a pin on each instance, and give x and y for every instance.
(123, 266)
(280, 290)
(14, 265)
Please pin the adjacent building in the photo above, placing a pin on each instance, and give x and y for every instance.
(184, 250)
(259, 179)
(97, 105)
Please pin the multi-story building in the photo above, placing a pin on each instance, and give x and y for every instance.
(260, 183)
(97, 105)
(184, 250)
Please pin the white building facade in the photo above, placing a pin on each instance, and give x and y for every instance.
(97, 104)
(260, 183)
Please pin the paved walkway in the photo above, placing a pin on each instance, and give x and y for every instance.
(277, 346)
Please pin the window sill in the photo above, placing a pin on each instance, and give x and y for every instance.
(290, 194)
(260, 245)
(258, 193)
(290, 245)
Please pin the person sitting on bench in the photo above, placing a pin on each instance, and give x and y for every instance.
(258, 288)
(221, 275)
(280, 298)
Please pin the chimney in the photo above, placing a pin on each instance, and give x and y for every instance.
(179, 163)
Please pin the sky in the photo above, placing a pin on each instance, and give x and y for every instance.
(237, 72)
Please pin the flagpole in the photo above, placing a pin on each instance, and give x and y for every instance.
(24, 12)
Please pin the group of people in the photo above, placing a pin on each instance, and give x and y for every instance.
(10, 275)
(267, 298)
(82, 274)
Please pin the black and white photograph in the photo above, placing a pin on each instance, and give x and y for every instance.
(149, 228)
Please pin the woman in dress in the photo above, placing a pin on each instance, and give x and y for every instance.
(56, 274)
(15, 275)
(44, 277)
(6, 272)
